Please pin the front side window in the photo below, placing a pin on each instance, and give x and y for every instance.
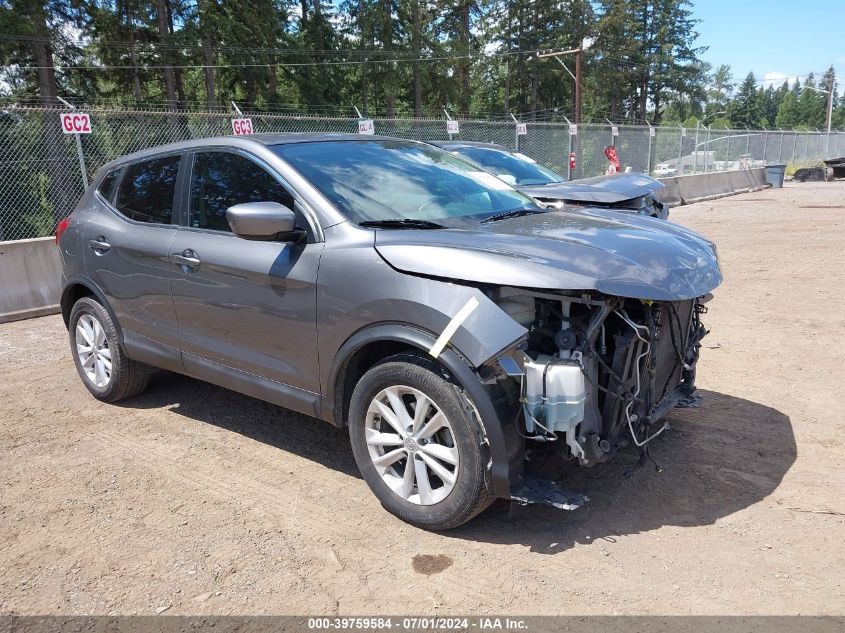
(222, 179)
(147, 189)
(373, 180)
(516, 168)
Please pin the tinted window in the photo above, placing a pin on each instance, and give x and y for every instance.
(146, 191)
(221, 179)
(106, 187)
(378, 180)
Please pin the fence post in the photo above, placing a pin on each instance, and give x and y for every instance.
(680, 170)
(706, 155)
(569, 146)
(747, 140)
(728, 151)
(780, 147)
(648, 158)
(765, 143)
(79, 154)
(515, 130)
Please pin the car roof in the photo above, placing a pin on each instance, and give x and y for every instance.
(267, 139)
(459, 144)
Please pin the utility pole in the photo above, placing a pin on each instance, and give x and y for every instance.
(579, 64)
(579, 54)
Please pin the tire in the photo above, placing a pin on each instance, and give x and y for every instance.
(125, 377)
(429, 501)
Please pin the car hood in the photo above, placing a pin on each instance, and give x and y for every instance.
(588, 249)
(601, 190)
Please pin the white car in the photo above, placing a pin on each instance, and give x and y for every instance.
(663, 170)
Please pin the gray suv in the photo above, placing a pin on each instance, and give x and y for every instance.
(448, 320)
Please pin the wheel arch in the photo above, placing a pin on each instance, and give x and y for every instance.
(76, 289)
(367, 347)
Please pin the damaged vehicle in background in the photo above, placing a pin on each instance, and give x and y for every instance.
(393, 288)
(627, 192)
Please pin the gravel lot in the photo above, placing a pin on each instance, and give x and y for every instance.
(194, 500)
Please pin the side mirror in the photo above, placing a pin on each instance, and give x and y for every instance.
(264, 221)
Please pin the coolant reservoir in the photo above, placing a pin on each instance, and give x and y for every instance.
(565, 393)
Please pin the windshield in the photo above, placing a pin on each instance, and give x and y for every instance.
(517, 168)
(373, 180)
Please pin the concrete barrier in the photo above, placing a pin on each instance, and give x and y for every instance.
(29, 278)
(698, 187)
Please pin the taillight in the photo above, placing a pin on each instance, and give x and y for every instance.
(61, 227)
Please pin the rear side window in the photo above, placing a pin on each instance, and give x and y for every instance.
(147, 189)
(106, 187)
(222, 179)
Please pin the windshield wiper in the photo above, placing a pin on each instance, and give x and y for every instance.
(514, 213)
(402, 223)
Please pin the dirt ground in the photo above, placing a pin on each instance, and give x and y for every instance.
(194, 500)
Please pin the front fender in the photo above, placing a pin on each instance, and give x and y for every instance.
(505, 444)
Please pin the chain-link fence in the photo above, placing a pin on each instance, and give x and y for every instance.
(44, 171)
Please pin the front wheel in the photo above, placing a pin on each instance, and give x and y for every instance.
(417, 444)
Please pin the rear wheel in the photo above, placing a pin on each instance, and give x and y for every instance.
(417, 444)
(105, 370)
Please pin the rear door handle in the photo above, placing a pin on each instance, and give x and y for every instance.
(187, 259)
(100, 244)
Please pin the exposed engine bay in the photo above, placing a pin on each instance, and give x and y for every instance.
(600, 372)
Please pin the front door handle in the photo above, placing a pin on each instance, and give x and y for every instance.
(187, 259)
(100, 244)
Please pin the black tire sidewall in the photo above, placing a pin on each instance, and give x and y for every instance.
(461, 504)
(89, 306)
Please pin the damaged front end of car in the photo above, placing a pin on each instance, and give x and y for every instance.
(608, 309)
(596, 373)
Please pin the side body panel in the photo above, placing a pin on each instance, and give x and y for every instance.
(357, 289)
(250, 306)
(134, 273)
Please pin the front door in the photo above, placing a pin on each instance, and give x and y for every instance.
(246, 309)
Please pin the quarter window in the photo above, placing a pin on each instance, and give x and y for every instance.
(147, 189)
(106, 187)
(222, 179)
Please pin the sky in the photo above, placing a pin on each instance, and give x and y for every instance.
(775, 39)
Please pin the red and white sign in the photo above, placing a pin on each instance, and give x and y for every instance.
(452, 127)
(573, 129)
(366, 126)
(521, 129)
(241, 126)
(571, 160)
(76, 123)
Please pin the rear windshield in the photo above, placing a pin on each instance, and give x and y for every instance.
(371, 180)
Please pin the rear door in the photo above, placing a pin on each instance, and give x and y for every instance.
(242, 305)
(127, 247)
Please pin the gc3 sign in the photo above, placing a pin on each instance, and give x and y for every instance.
(241, 126)
(76, 123)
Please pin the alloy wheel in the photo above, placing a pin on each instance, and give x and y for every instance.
(412, 445)
(92, 348)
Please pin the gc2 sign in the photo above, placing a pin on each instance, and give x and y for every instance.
(453, 127)
(521, 129)
(241, 126)
(366, 126)
(76, 123)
